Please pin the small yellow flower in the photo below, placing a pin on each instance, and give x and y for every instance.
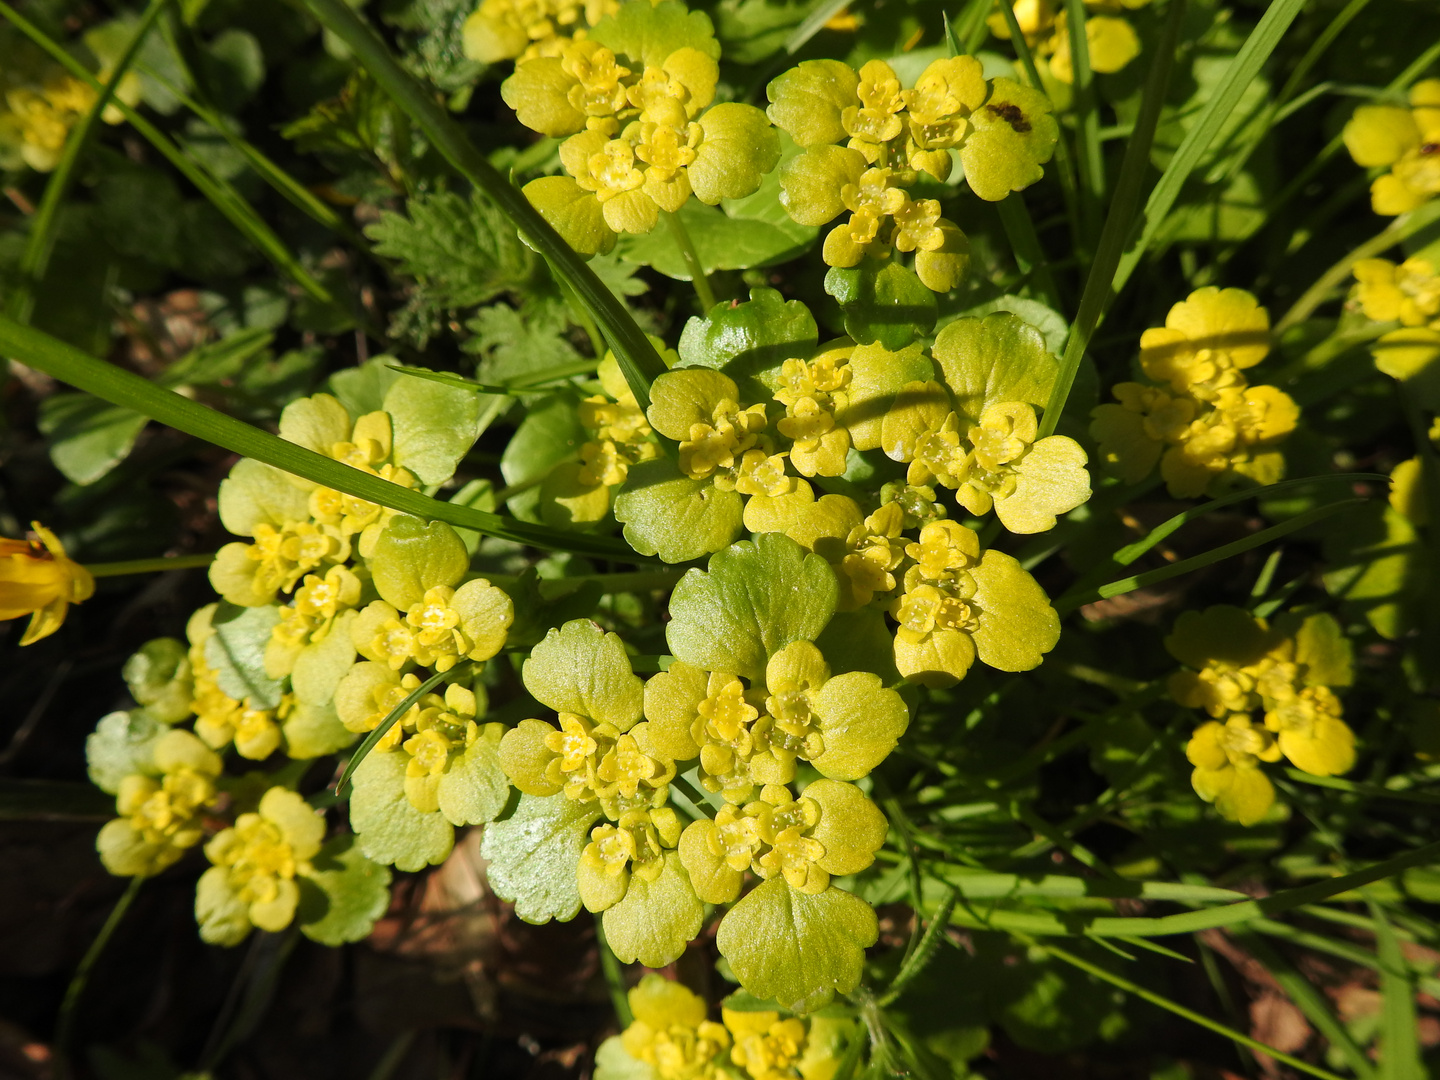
(1404, 140)
(160, 814)
(252, 881)
(1227, 772)
(1408, 293)
(38, 579)
(670, 1032)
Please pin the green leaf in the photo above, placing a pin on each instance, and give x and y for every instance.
(656, 919)
(475, 789)
(104, 380)
(434, 426)
(796, 948)
(342, 895)
(313, 731)
(464, 251)
(669, 514)
(237, 653)
(652, 34)
(541, 605)
(88, 437)
(533, 853)
(158, 675)
(550, 433)
(581, 669)
(412, 556)
(514, 344)
(613, 1062)
(362, 389)
(121, 745)
(388, 827)
(860, 641)
(722, 241)
(744, 339)
(882, 302)
(756, 598)
(1378, 566)
(998, 358)
(1399, 1024)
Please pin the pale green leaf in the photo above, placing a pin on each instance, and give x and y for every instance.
(581, 669)
(237, 653)
(388, 828)
(533, 853)
(669, 514)
(656, 919)
(342, 895)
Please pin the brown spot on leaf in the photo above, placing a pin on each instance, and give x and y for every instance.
(1012, 115)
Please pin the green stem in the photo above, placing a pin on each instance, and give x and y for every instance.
(40, 244)
(1100, 283)
(220, 193)
(681, 236)
(150, 566)
(636, 355)
(1087, 108)
(614, 976)
(1180, 1010)
(1025, 243)
(120, 387)
(1319, 292)
(65, 1023)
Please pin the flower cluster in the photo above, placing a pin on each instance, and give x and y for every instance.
(522, 30)
(331, 616)
(1239, 666)
(633, 103)
(38, 579)
(1109, 37)
(1405, 140)
(951, 601)
(867, 140)
(1408, 294)
(39, 105)
(670, 1034)
(1204, 423)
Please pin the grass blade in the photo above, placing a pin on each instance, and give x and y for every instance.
(1101, 283)
(1196, 562)
(822, 13)
(1128, 554)
(121, 387)
(1238, 77)
(637, 357)
(1399, 1024)
(1179, 1010)
(1087, 110)
(40, 244)
(221, 194)
(1310, 1002)
(392, 718)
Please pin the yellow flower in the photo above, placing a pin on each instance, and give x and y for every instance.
(256, 862)
(1405, 140)
(1408, 293)
(38, 579)
(670, 1032)
(160, 813)
(1206, 342)
(766, 1047)
(1227, 772)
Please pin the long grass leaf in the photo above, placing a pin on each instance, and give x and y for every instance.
(121, 387)
(1100, 282)
(40, 243)
(1218, 109)
(1243, 912)
(221, 194)
(1165, 1003)
(1312, 1003)
(1399, 1024)
(636, 355)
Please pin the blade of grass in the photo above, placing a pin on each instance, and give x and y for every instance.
(40, 243)
(1209, 558)
(637, 357)
(924, 952)
(1245, 911)
(392, 718)
(1310, 1002)
(150, 566)
(1100, 283)
(1069, 188)
(1128, 554)
(1025, 244)
(1238, 76)
(120, 387)
(813, 23)
(1399, 1024)
(1179, 1010)
(1371, 791)
(221, 194)
(1087, 110)
(65, 1022)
